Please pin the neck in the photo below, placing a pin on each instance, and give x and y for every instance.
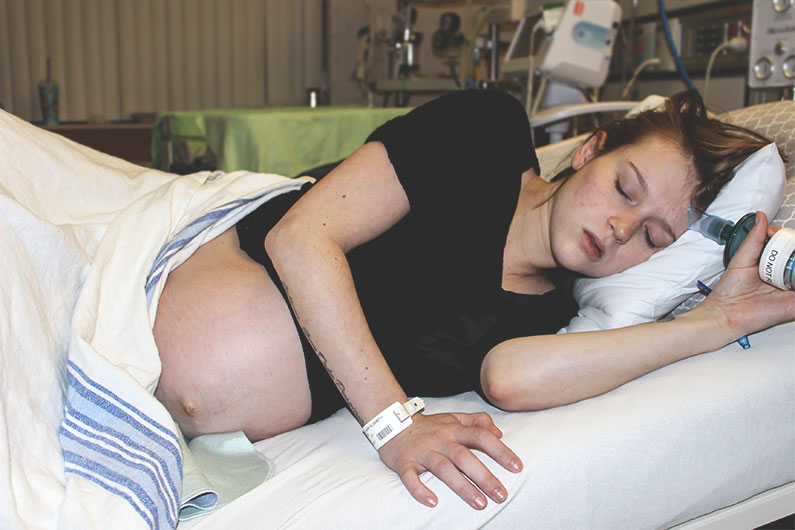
(527, 249)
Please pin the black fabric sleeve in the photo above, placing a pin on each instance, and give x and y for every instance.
(457, 349)
(457, 141)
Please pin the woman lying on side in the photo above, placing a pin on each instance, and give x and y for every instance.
(408, 268)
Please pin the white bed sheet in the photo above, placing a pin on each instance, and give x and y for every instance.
(683, 441)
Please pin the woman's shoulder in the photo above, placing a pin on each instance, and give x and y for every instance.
(488, 97)
(476, 115)
(492, 105)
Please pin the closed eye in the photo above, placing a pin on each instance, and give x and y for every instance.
(650, 241)
(621, 191)
(657, 237)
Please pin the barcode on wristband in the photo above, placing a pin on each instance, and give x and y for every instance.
(383, 433)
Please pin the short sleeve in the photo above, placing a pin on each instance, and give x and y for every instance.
(456, 144)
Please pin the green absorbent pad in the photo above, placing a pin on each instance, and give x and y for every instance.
(217, 469)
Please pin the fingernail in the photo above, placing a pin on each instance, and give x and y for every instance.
(516, 465)
(431, 502)
(499, 494)
(480, 502)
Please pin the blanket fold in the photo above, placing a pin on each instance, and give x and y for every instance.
(116, 438)
(219, 468)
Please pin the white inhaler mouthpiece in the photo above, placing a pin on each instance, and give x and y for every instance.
(777, 262)
(710, 226)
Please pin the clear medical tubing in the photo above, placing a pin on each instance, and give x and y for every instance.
(777, 262)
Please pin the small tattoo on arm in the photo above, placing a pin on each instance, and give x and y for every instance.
(339, 384)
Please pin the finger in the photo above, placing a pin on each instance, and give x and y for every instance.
(478, 473)
(411, 480)
(484, 441)
(750, 249)
(479, 419)
(449, 473)
(772, 229)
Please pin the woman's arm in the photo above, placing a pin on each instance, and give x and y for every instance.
(533, 373)
(355, 203)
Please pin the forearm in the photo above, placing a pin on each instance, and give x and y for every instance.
(319, 286)
(355, 203)
(539, 372)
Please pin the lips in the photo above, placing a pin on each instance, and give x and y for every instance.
(593, 246)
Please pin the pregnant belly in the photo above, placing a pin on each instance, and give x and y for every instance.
(231, 357)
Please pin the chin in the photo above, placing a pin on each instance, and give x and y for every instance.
(586, 272)
(575, 262)
(592, 270)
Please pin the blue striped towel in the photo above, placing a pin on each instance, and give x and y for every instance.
(122, 449)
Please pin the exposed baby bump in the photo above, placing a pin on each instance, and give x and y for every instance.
(231, 357)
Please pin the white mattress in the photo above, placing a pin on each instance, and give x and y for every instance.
(693, 437)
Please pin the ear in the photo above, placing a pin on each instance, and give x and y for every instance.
(587, 151)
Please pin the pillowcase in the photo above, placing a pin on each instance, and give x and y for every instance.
(652, 289)
(786, 214)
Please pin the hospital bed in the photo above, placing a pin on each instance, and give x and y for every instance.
(708, 442)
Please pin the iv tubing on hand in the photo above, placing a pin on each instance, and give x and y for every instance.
(742, 341)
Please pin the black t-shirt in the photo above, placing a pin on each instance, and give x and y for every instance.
(431, 286)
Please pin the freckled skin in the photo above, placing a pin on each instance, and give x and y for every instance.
(589, 200)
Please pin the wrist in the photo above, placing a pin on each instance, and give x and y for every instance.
(391, 421)
(710, 324)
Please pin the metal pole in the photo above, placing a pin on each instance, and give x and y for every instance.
(494, 52)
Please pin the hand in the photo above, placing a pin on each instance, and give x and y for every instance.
(743, 301)
(440, 443)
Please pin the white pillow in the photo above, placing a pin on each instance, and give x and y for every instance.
(653, 288)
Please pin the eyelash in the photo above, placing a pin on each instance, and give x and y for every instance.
(649, 241)
(623, 193)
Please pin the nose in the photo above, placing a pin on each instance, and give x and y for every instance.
(623, 227)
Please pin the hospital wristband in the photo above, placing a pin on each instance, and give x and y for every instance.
(391, 421)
